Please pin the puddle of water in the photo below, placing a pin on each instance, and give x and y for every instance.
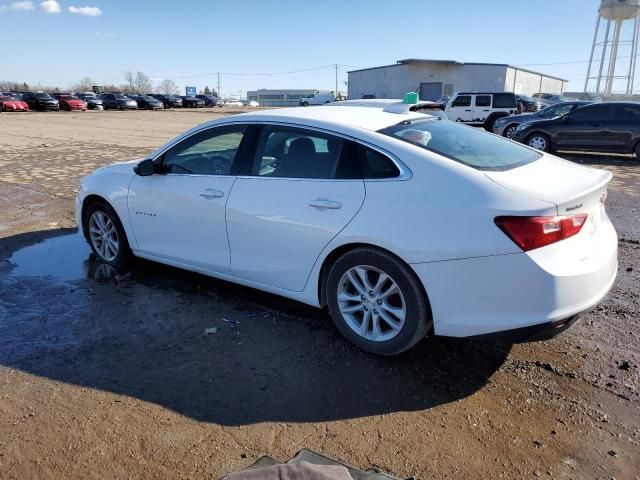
(65, 257)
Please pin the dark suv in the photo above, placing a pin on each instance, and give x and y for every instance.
(40, 101)
(601, 127)
(169, 101)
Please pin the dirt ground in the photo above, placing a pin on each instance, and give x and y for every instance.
(107, 374)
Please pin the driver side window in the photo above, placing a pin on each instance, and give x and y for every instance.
(211, 152)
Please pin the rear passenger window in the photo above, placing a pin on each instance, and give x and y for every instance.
(377, 165)
(462, 101)
(504, 100)
(289, 152)
(483, 101)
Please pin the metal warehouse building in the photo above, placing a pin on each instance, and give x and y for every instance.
(434, 78)
(280, 98)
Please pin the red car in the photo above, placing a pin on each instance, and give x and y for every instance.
(10, 104)
(69, 102)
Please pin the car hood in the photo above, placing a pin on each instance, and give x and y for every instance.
(573, 188)
(530, 117)
(120, 167)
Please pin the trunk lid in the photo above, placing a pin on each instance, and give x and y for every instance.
(573, 188)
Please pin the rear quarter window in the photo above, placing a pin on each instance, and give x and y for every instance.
(463, 144)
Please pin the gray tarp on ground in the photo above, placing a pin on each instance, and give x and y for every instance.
(311, 458)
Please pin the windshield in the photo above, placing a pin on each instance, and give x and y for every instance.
(42, 95)
(464, 144)
(121, 97)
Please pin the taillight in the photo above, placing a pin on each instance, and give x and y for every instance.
(530, 233)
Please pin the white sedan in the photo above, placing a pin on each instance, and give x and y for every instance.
(402, 224)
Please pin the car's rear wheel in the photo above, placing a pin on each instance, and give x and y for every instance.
(539, 141)
(510, 131)
(305, 104)
(377, 302)
(106, 235)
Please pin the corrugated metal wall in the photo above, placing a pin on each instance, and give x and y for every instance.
(528, 83)
(394, 81)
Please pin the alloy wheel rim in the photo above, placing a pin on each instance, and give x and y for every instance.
(538, 143)
(510, 132)
(371, 303)
(104, 236)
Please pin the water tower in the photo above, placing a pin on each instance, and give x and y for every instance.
(612, 64)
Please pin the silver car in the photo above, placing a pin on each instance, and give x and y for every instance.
(506, 126)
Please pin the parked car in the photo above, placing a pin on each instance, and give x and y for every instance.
(192, 102)
(442, 101)
(210, 100)
(147, 102)
(601, 127)
(506, 126)
(255, 104)
(529, 104)
(69, 102)
(93, 101)
(232, 102)
(12, 104)
(418, 226)
(169, 101)
(481, 109)
(40, 101)
(119, 101)
(552, 98)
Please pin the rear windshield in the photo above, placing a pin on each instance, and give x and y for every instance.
(467, 145)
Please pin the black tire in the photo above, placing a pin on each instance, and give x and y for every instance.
(531, 140)
(305, 104)
(490, 122)
(124, 254)
(513, 127)
(418, 318)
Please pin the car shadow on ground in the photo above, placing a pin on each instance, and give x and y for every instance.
(141, 333)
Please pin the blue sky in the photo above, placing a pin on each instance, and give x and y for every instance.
(196, 38)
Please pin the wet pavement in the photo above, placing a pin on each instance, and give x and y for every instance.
(108, 373)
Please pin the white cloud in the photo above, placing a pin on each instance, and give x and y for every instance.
(17, 6)
(86, 11)
(50, 6)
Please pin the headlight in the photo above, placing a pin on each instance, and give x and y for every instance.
(501, 121)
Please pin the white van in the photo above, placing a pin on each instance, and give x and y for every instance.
(317, 99)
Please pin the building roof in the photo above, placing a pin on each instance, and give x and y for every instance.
(408, 61)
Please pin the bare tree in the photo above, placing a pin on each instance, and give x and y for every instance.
(130, 82)
(167, 87)
(143, 83)
(84, 85)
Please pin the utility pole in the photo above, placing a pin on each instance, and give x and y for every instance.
(219, 94)
(336, 91)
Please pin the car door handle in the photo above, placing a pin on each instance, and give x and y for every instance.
(211, 193)
(323, 203)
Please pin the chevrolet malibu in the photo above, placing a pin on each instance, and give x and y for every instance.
(402, 224)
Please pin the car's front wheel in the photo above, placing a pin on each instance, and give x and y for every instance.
(106, 235)
(510, 131)
(539, 141)
(377, 302)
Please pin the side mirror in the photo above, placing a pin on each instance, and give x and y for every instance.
(565, 119)
(145, 168)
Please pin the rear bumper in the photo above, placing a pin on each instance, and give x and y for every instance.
(479, 296)
(534, 333)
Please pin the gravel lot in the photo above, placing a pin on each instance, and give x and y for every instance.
(107, 374)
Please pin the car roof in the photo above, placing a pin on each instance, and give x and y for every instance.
(366, 118)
